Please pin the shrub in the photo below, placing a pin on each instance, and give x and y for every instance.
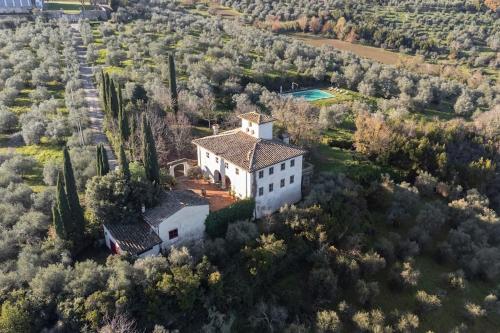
(408, 322)
(217, 222)
(426, 183)
(367, 291)
(427, 302)
(20, 165)
(50, 172)
(372, 262)
(404, 275)
(328, 321)
(474, 311)
(195, 173)
(372, 321)
(456, 280)
(167, 179)
(240, 233)
(8, 120)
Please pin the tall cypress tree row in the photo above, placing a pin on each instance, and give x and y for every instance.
(61, 213)
(77, 227)
(114, 105)
(101, 160)
(149, 156)
(124, 168)
(173, 83)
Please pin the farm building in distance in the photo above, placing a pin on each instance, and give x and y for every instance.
(19, 6)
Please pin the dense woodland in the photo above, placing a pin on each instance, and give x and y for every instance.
(399, 233)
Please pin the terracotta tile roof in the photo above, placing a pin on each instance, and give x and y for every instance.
(256, 117)
(170, 203)
(134, 238)
(248, 152)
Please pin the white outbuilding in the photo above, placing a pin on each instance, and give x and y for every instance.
(250, 163)
(179, 218)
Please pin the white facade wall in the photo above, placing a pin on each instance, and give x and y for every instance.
(240, 183)
(153, 252)
(270, 202)
(189, 222)
(263, 131)
(108, 238)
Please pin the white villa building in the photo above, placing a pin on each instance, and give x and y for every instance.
(250, 163)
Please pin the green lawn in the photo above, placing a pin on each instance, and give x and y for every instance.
(69, 7)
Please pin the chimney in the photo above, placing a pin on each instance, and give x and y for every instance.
(286, 138)
(143, 209)
(216, 129)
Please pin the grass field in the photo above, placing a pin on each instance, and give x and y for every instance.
(69, 7)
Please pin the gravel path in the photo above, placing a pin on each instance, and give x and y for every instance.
(92, 98)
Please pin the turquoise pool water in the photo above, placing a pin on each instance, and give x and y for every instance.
(310, 95)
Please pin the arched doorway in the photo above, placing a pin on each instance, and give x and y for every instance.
(217, 176)
(179, 170)
(227, 183)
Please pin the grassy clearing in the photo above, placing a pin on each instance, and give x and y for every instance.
(43, 153)
(69, 7)
(370, 52)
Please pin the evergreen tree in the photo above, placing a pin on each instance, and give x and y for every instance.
(102, 160)
(123, 124)
(149, 156)
(61, 214)
(107, 85)
(132, 138)
(124, 168)
(104, 91)
(77, 227)
(114, 106)
(173, 83)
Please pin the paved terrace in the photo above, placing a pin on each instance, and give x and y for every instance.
(217, 198)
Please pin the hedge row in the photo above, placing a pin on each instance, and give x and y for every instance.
(217, 222)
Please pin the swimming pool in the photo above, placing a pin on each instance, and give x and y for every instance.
(310, 95)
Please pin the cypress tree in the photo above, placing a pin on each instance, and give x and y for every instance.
(132, 138)
(173, 83)
(149, 156)
(124, 168)
(107, 83)
(104, 89)
(114, 106)
(102, 160)
(98, 160)
(123, 122)
(77, 227)
(61, 213)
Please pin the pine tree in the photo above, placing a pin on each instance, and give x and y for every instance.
(61, 214)
(102, 160)
(77, 227)
(114, 106)
(149, 156)
(124, 168)
(173, 83)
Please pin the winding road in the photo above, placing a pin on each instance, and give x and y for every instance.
(96, 114)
